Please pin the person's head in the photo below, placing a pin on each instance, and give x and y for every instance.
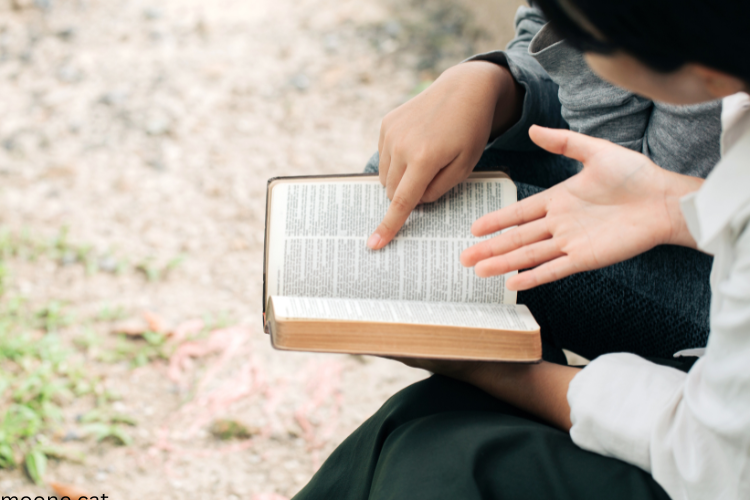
(676, 51)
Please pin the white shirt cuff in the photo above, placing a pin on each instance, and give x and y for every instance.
(615, 403)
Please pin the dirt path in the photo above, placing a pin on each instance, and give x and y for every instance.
(149, 129)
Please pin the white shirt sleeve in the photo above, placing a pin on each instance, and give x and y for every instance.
(691, 431)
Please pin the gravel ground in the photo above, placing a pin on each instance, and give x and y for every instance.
(149, 130)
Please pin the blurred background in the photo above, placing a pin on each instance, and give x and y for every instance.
(136, 138)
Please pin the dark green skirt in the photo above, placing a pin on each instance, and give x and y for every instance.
(441, 439)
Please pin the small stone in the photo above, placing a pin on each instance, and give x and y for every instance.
(68, 258)
(331, 43)
(152, 13)
(157, 165)
(114, 98)
(71, 436)
(107, 264)
(300, 82)
(157, 125)
(66, 34)
(392, 28)
(69, 74)
(388, 46)
(101, 476)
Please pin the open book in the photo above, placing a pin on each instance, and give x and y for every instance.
(324, 290)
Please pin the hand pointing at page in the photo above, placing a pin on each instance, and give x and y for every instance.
(620, 205)
(432, 143)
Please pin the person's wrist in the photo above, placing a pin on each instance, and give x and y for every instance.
(678, 186)
(540, 389)
(490, 77)
(506, 93)
(499, 90)
(482, 372)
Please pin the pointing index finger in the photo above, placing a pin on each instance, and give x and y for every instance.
(408, 193)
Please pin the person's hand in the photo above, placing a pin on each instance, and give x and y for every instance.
(620, 205)
(433, 142)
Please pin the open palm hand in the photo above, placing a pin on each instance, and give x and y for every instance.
(620, 205)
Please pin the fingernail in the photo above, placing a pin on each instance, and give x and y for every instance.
(374, 241)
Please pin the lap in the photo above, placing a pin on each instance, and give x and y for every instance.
(442, 439)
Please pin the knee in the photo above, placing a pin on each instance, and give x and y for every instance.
(412, 398)
(436, 394)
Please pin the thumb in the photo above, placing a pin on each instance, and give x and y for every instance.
(564, 142)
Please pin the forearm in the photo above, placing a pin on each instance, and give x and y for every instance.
(509, 105)
(504, 93)
(539, 389)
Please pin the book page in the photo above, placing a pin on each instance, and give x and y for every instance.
(319, 232)
(502, 317)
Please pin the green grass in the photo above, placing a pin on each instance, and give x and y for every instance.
(23, 245)
(44, 369)
(39, 376)
(41, 373)
(137, 352)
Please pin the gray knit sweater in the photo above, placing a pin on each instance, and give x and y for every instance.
(562, 92)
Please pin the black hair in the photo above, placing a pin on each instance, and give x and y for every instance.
(663, 34)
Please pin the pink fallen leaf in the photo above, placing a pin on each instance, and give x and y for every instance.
(156, 323)
(66, 490)
(186, 329)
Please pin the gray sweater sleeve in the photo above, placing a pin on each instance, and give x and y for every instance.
(683, 139)
(590, 105)
(541, 105)
(562, 92)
